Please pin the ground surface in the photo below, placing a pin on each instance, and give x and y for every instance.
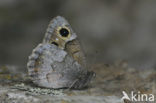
(107, 87)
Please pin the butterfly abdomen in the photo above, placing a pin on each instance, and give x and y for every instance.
(83, 80)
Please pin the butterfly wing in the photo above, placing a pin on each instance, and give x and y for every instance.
(59, 61)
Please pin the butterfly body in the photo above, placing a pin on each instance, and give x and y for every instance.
(58, 62)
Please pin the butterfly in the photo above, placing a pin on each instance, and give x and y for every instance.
(59, 61)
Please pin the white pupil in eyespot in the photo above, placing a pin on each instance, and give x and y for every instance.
(56, 39)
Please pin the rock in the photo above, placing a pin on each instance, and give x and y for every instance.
(111, 80)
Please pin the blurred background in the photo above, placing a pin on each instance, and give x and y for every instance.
(109, 30)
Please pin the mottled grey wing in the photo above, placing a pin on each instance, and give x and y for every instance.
(41, 66)
(51, 67)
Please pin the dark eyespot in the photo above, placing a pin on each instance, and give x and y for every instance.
(55, 43)
(64, 32)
